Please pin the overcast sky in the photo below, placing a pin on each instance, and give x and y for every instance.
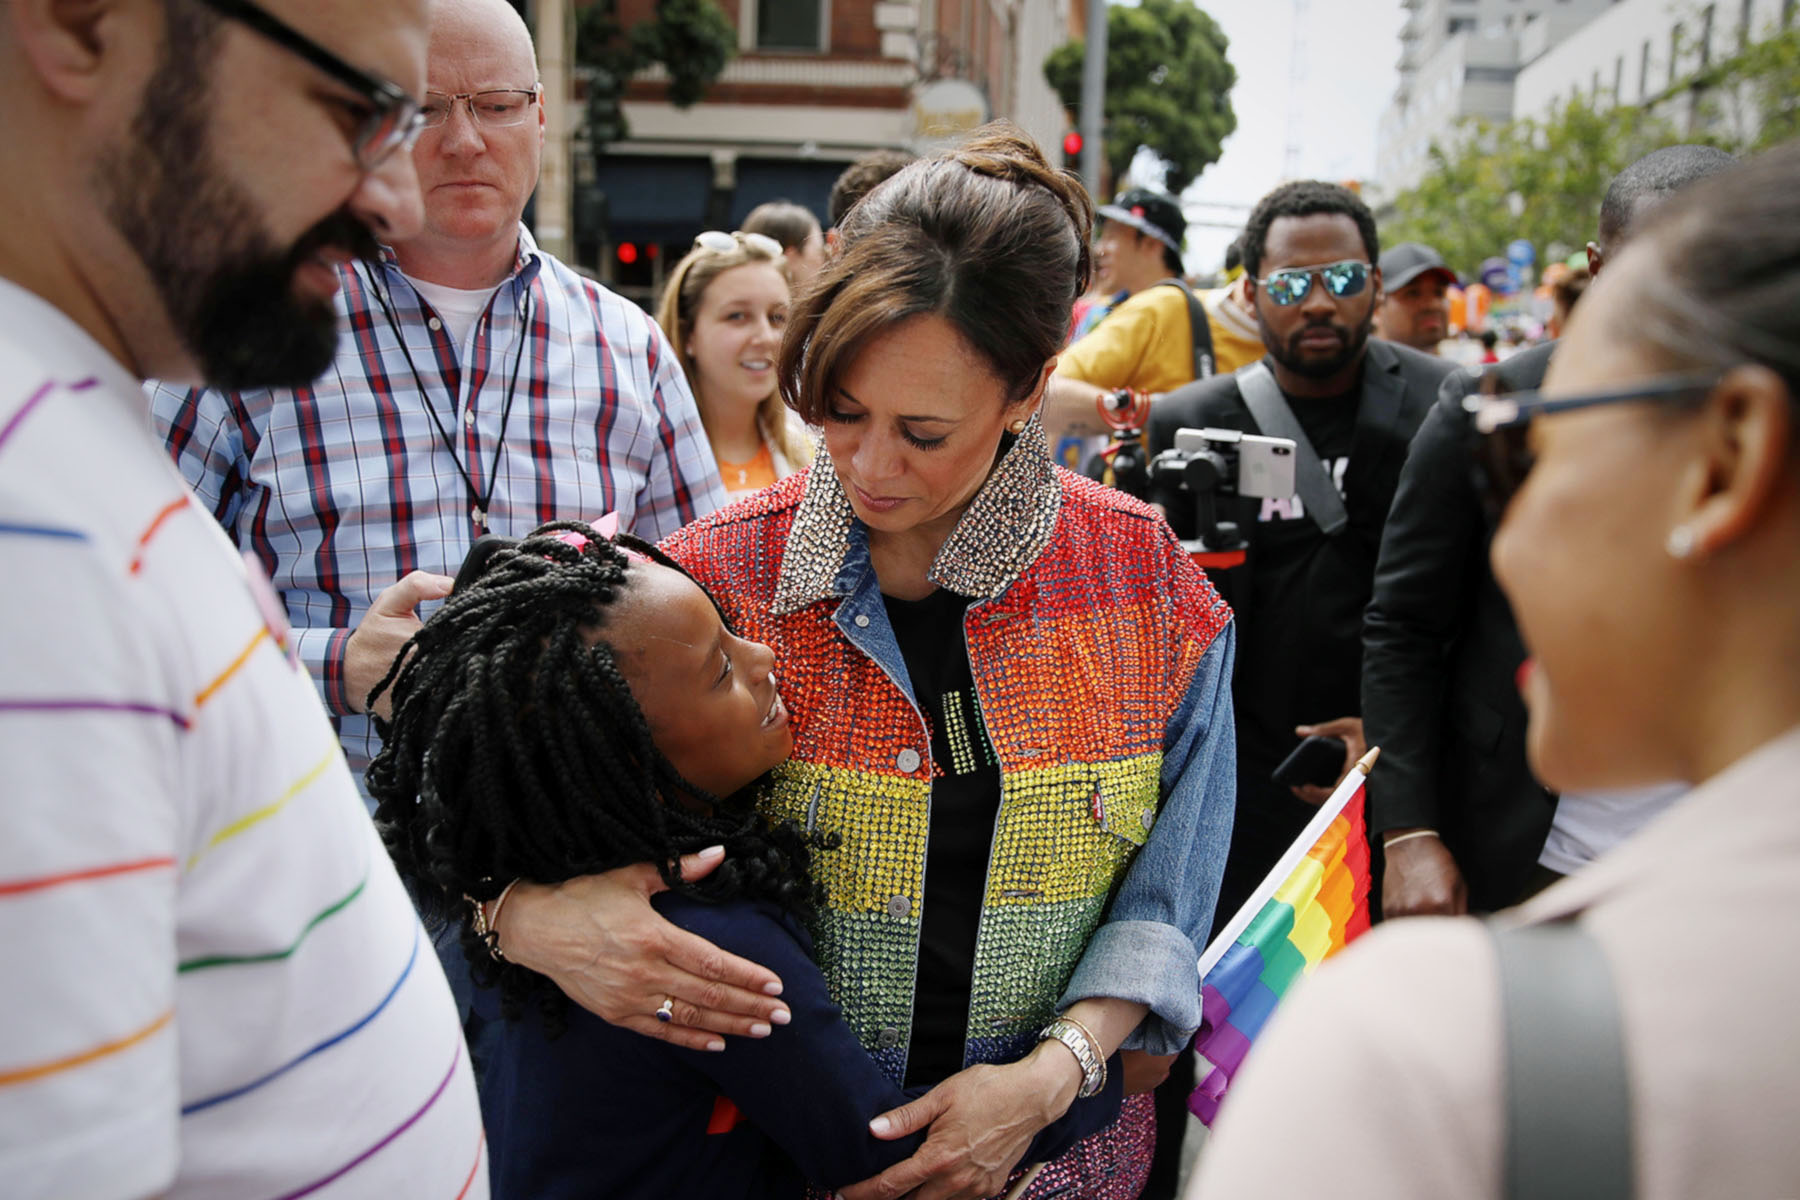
(1347, 51)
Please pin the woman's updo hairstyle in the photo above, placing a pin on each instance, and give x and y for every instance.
(1727, 290)
(989, 236)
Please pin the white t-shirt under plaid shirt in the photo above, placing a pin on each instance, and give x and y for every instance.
(215, 984)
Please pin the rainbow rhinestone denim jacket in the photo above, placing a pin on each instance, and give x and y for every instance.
(1102, 661)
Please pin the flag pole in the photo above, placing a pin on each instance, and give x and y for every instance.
(1321, 820)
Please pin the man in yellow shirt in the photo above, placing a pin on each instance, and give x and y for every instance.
(1146, 342)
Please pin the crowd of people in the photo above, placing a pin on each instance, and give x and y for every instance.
(460, 735)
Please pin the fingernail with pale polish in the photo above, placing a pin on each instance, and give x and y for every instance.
(715, 1046)
(772, 989)
(760, 1030)
(878, 1125)
(781, 1016)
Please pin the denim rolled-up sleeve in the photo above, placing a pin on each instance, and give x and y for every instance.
(1149, 948)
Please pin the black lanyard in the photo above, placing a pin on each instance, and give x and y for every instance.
(478, 501)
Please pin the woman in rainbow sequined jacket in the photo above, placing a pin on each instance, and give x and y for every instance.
(1010, 686)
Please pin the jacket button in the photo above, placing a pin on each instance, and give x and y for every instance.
(898, 906)
(1149, 818)
(888, 1038)
(907, 760)
(434, 324)
(861, 620)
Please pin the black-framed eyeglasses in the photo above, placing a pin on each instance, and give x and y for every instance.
(496, 108)
(394, 119)
(1291, 284)
(1500, 422)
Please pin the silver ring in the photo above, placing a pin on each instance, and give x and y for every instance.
(666, 1013)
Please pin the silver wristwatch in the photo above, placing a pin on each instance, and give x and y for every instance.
(1081, 1045)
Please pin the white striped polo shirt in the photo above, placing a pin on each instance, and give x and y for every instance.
(214, 983)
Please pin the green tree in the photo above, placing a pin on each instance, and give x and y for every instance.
(691, 39)
(1539, 180)
(1168, 87)
(1544, 179)
(1752, 99)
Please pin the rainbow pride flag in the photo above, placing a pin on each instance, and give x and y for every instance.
(1307, 909)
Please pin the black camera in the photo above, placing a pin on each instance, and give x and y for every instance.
(1206, 464)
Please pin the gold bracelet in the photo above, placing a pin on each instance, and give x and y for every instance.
(1087, 1056)
(486, 928)
(1092, 1040)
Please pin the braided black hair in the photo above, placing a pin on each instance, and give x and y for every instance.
(516, 751)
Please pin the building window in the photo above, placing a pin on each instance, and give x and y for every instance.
(1787, 13)
(1619, 80)
(1706, 28)
(789, 24)
(1460, 25)
(1644, 72)
(1674, 51)
(1744, 20)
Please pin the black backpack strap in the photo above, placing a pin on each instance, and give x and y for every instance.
(1568, 1097)
(1201, 327)
(1274, 417)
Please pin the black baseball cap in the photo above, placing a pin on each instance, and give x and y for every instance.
(1149, 213)
(1402, 264)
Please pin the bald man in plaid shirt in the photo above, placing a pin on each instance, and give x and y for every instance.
(480, 386)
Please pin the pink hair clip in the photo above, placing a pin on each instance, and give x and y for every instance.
(570, 538)
(608, 528)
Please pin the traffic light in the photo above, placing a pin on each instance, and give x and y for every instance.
(628, 253)
(1072, 150)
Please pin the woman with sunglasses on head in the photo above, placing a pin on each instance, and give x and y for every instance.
(723, 309)
(1010, 689)
(1650, 547)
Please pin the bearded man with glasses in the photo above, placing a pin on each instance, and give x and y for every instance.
(1310, 251)
(482, 386)
(217, 984)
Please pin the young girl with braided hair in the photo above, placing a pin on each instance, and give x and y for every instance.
(579, 705)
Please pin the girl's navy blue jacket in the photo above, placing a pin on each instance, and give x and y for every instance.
(602, 1111)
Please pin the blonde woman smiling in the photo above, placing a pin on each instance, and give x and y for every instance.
(724, 309)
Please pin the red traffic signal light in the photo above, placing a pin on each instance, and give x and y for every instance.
(1072, 143)
(628, 253)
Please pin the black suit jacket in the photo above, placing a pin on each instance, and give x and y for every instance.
(1299, 656)
(1440, 653)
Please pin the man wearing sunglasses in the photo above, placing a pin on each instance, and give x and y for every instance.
(1352, 404)
(1463, 823)
(214, 980)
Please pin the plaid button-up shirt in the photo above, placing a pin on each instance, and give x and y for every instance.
(343, 487)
